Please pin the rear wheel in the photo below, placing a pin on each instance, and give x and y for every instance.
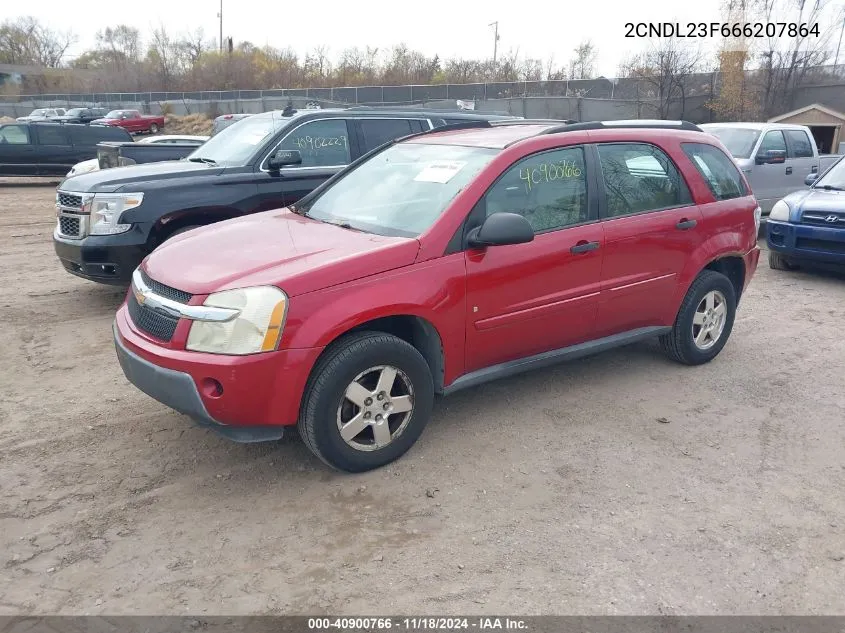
(153, 128)
(367, 402)
(704, 321)
(779, 262)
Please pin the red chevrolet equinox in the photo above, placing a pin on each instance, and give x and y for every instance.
(438, 262)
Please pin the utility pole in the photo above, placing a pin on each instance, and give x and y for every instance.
(495, 26)
(836, 61)
(220, 15)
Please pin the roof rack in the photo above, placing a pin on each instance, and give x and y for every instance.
(557, 122)
(633, 123)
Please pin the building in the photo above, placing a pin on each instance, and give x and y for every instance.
(825, 124)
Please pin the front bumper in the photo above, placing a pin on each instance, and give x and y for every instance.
(106, 259)
(800, 242)
(245, 398)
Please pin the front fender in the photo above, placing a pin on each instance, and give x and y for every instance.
(434, 291)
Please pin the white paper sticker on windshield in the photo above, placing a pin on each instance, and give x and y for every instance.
(441, 171)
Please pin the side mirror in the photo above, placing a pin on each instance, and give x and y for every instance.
(810, 179)
(501, 229)
(284, 158)
(771, 157)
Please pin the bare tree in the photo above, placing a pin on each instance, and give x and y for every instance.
(582, 64)
(664, 72)
(26, 41)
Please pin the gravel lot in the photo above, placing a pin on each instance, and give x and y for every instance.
(618, 484)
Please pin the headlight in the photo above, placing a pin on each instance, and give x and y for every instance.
(780, 212)
(758, 214)
(257, 328)
(105, 209)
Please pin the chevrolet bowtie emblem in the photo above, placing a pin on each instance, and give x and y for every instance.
(139, 296)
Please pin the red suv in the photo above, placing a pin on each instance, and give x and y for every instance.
(438, 262)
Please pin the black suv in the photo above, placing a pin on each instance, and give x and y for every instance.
(108, 221)
(51, 149)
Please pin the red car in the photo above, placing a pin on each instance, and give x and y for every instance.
(132, 121)
(442, 261)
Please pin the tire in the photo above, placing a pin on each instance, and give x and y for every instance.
(680, 344)
(363, 359)
(153, 128)
(779, 262)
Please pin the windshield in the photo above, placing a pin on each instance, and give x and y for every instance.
(833, 178)
(236, 144)
(114, 114)
(739, 141)
(39, 112)
(402, 190)
(75, 111)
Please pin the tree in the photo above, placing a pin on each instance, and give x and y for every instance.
(582, 63)
(664, 72)
(27, 42)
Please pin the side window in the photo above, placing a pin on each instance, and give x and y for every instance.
(51, 135)
(379, 131)
(548, 189)
(800, 142)
(640, 177)
(719, 171)
(322, 143)
(14, 135)
(772, 141)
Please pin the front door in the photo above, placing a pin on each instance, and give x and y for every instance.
(769, 182)
(325, 147)
(530, 298)
(651, 225)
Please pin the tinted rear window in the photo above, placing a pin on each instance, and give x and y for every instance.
(93, 134)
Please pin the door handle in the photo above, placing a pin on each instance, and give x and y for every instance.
(685, 224)
(788, 171)
(584, 247)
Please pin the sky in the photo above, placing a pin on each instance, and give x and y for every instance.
(536, 28)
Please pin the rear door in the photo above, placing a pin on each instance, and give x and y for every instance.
(375, 132)
(803, 159)
(526, 299)
(55, 150)
(651, 226)
(18, 154)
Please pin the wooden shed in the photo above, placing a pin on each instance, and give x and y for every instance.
(825, 124)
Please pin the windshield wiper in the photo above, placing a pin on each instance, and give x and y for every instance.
(202, 159)
(341, 223)
(831, 188)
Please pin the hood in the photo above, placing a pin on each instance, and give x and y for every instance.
(105, 121)
(278, 248)
(819, 200)
(125, 178)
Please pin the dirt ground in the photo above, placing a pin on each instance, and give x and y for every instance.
(618, 484)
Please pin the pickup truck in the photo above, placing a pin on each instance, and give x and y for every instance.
(150, 150)
(109, 220)
(50, 149)
(80, 115)
(132, 121)
(776, 158)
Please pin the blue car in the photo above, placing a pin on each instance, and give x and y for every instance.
(808, 226)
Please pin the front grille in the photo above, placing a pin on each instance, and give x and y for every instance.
(820, 218)
(820, 245)
(69, 200)
(157, 325)
(166, 291)
(69, 226)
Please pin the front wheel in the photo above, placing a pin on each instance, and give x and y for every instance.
(704, 321)
(779, 262)
(153, 128)
(367, 402)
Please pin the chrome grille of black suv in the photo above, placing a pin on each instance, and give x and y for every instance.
(166, 291)
(155, 324)
(69, 226)
(69, 200)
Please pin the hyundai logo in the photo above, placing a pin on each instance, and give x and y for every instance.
(831, 218)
